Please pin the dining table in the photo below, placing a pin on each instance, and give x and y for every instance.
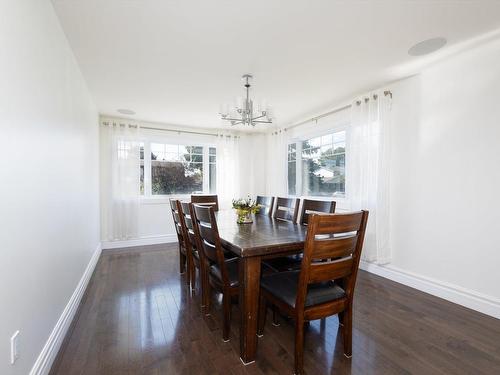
(264, 238)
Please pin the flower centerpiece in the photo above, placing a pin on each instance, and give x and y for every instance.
(244, 209)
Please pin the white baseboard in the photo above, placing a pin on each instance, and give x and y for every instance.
(48, 354)
(473, 300)
(142, 241)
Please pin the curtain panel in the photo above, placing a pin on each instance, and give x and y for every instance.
(120, 176)
(228, 181)
(368, 171)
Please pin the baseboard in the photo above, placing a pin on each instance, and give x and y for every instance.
(473, 300)
(142, 241)
(48, 354)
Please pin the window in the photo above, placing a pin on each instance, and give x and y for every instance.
(177, 169)
(292, 169)
(141, 150)
(321, 166)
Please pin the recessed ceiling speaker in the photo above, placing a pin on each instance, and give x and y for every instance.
(427, 46)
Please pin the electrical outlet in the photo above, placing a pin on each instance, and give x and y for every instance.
(14, 348)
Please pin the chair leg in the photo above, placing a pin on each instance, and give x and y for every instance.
(276, 321)
(205, 289)
(189, 263)
(299, 346)
(192, 272)
(347, 331)
(182, 261)
(262, 315)
(226, 303)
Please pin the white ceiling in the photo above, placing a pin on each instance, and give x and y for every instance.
(175, 62)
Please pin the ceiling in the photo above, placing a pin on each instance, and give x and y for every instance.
(175, 62)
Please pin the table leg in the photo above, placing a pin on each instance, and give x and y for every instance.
(249, 307)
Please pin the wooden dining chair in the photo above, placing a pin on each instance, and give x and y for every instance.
(184, 264)
(266, 205)
(310, 206)
(206, 200)
(321, 288)
(286, 209)
(222, 273)
(190, 241)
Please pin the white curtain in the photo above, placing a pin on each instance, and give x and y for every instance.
(228, 173)
(368, 171)
(120, 181)
(277, 183)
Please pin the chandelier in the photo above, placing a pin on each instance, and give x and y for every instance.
(245, 112)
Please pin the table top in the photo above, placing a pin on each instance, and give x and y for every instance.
(264, 237)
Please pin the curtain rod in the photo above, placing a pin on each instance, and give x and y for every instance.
(316, 118)
(107, 123)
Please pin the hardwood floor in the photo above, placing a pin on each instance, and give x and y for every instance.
(137, 317)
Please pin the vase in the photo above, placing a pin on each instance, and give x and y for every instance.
(244, 217)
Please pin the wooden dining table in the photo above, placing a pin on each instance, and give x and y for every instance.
(263, 239)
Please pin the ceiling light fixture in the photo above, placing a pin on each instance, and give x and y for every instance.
(126, 111)
(245, 112)
(427, 46)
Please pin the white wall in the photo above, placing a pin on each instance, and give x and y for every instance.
(445, 192)
(445, 172)
(49, 216)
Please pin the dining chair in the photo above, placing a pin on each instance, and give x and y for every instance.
(222, 273)
(286, 209)
(206, 200)
(184, 264)
(266, 205)
(190, 241)
(321, 288)
(310, 206)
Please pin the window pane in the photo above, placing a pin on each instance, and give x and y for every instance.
(176, 178)
(292, 178)
(311, 153)
(212, 151)
(339, 137)
(197, 150)
(142, 177)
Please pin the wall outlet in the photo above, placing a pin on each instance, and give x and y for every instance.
(14, 348)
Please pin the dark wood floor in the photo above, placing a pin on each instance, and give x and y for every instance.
(137, 317)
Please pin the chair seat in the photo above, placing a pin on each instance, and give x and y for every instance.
(284, 286)
(232, 271)
(288, 263)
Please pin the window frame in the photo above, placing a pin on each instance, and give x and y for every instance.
(148, 197)
(343, 199)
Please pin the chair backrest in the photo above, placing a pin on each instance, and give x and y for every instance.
(266, 204)
(178, 227)
(206, 200)
(209, 240)
(186, 221)
(332, 251)
(310, 207)
(286, 209)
